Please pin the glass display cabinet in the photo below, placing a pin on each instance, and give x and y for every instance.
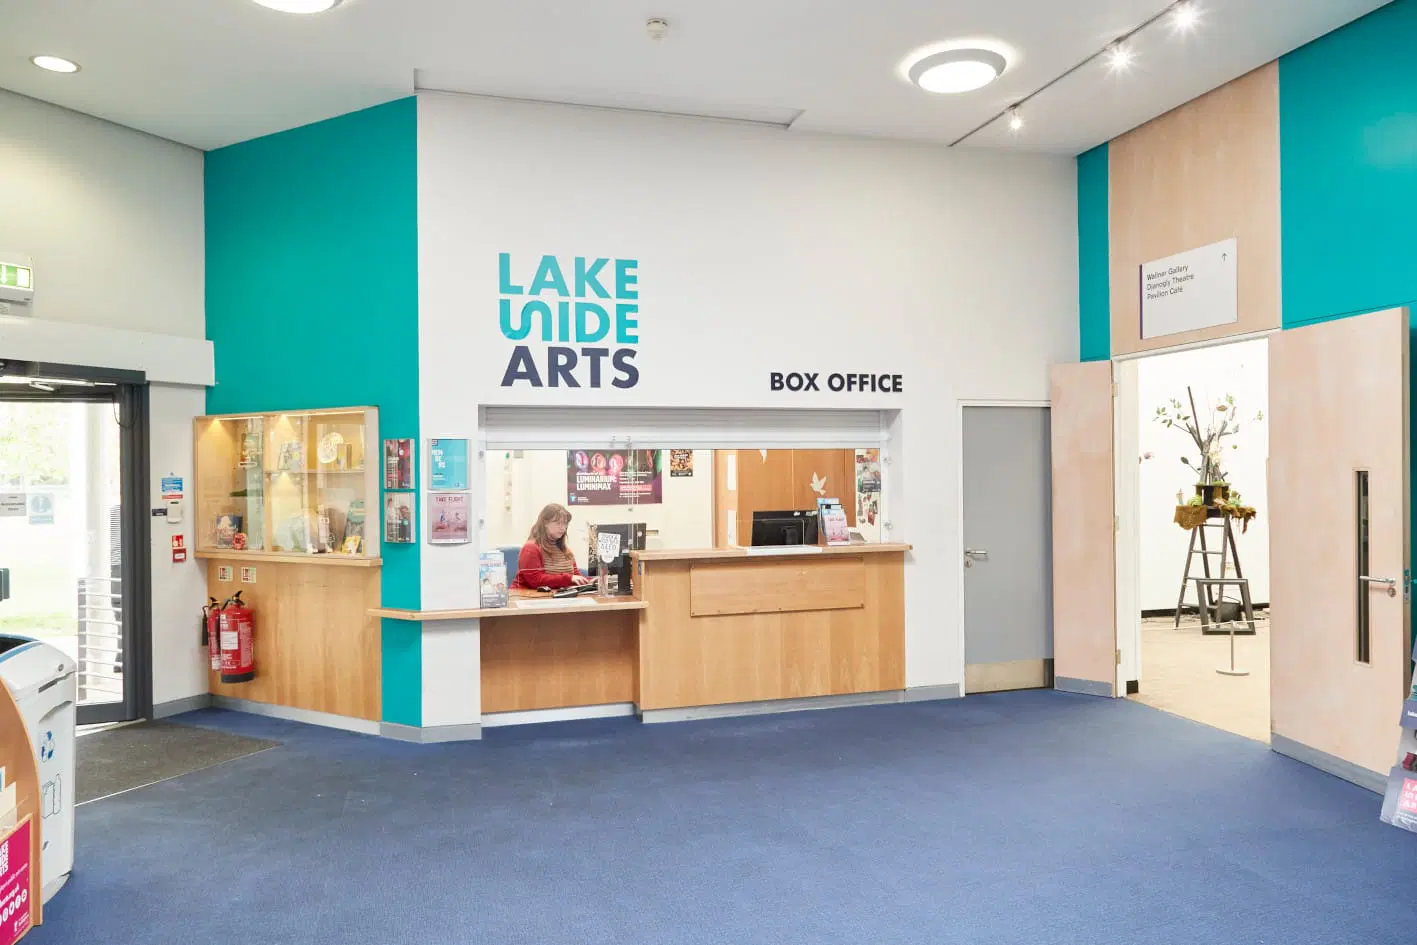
(297, 483)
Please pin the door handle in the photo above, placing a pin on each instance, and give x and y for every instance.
(1391, 583)
(978, 554)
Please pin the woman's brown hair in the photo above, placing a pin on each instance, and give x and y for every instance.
(551, 513)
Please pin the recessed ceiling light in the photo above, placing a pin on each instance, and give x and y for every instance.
(957, 70)
(54, 64)
(300, 6)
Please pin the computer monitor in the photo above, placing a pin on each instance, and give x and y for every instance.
(790, 527)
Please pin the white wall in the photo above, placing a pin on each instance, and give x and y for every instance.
(758, 250)
(111, 217)
(518, 486)
(1240, 370)
(179, 590)
(113, 221)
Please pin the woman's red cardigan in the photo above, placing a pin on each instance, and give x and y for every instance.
(532, 573)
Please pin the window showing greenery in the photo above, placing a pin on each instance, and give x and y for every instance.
(34, 444)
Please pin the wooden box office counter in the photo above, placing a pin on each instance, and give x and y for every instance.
(728, 626)
(707, 627)
(299, 486)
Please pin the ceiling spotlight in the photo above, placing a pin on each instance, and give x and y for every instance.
(1119, 57)
(1184, 16)
(54, 64)
(1015, 120)
(957, 70)
(299, 6)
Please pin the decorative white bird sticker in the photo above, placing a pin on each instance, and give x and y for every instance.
(819, 484)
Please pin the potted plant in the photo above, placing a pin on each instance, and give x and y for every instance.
(1212, 485)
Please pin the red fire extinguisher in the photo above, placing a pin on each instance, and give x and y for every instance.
(238, 654)
(211, 631)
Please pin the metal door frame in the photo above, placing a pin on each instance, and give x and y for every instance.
(964, 404)
(129, 391)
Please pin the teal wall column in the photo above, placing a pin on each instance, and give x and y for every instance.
(1348, 168)
(1348, 174)
(312, 301)
(1094, 257)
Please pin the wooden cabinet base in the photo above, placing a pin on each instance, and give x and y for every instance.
(558, 660)
(317, 647)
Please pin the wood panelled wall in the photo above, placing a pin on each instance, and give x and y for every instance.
(1202, 173)
(317, 648)
(769, 480)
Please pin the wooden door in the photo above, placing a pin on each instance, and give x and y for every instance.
(831, 471)
(1085, 653)
(1339, 643)
(748, 481)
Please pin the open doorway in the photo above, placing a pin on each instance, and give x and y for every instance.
(1201, 629)
(71, 530)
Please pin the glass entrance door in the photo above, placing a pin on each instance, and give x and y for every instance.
(62, 523)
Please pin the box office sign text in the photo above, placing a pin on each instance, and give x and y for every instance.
(864, 383)
(574, 321)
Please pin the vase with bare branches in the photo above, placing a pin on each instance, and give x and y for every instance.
(1212, 484)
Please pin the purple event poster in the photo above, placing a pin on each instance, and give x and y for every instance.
(614, 477)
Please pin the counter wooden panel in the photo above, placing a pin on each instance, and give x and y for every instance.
(765, 585)
(317, 646)
(551, 659)
(767, 653)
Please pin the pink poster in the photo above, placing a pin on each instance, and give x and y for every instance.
(1407, 803)
(15, 885)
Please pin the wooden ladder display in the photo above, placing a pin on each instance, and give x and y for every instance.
(1210, 590)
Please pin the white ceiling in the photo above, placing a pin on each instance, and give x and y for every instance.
(212, 72)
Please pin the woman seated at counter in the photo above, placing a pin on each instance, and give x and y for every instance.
(545, 560)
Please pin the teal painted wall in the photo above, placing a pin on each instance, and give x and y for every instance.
(1094, 296)
(312, 301)
(1348, 174)
(1348, 168)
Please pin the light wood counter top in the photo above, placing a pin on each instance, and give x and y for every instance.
(802, 551)
(596, 605)
(284, 557)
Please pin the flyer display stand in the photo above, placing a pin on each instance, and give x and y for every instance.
(21, 899)
(1400, 798)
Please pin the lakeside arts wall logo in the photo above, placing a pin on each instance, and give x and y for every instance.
(578, 319)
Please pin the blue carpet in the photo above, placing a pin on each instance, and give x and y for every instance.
(1032, 817)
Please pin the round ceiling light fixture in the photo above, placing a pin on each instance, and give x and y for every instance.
(957, 70)
(304, 7)
(55, 64)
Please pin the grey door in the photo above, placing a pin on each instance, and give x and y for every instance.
(1008, 589)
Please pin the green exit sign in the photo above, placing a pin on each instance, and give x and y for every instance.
(16, 277)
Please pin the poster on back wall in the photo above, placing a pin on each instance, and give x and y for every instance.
(868, 486)
(614, 477)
